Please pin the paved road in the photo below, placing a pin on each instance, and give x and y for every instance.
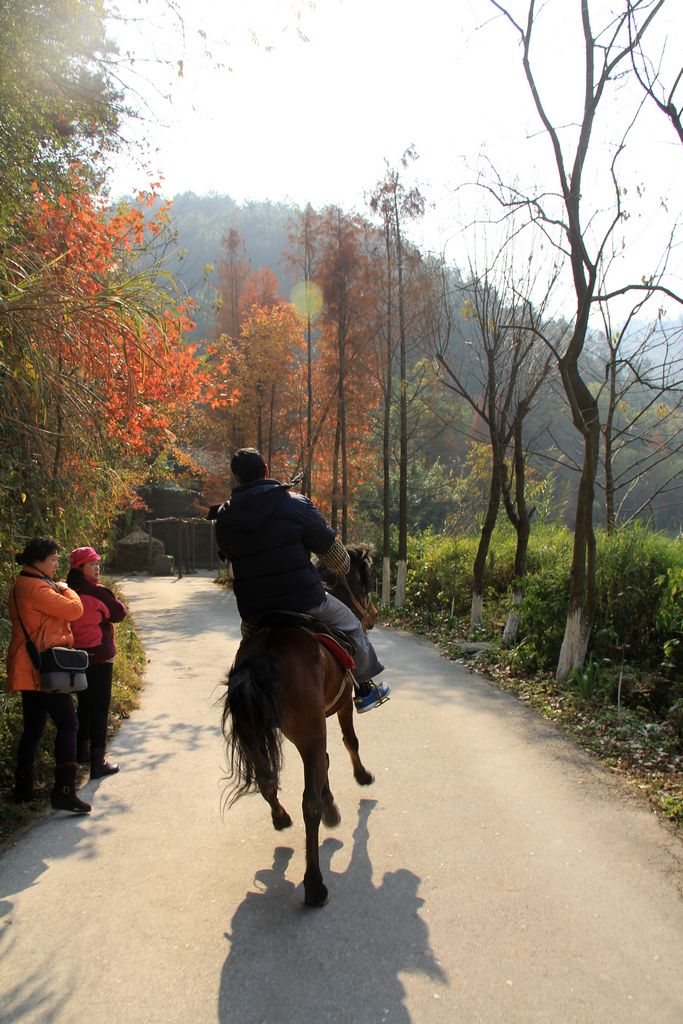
(492, 873)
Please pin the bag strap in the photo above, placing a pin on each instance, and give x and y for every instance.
(30, 576)
(16, 608)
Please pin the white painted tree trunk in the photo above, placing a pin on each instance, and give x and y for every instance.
(386, 581)
(514, 619)
(402, 571)
(477, 610)
(574, 644)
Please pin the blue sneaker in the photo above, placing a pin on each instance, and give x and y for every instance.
(376, 695)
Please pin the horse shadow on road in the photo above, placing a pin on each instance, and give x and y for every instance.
(341, 963)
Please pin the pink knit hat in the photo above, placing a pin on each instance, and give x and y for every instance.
(79, 556)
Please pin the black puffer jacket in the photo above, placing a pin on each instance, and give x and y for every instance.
(268, 534)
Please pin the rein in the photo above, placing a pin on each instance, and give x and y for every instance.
(364, 611)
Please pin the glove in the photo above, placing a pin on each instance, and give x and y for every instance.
(337, 559)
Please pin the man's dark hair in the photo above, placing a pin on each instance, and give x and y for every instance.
(36, 550)
(248, 465)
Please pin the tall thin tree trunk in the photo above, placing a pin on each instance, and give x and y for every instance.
(610, 514)
(403, 430)
(344, 464)
(386, 431)
(57, 456)
(334, 515)
(343, 497)
(386, 509)
(259, 421)
(521, 520)
(479, 569)
(395, 202)
(308, 462)
(56, 463)
(303, 258)
(271, 423)
(581, 609)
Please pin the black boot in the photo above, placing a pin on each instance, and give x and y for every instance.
(24, 791)
(63, 796)
(99, 766)
(83, 752)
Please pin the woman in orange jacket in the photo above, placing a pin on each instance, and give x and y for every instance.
(46, 609)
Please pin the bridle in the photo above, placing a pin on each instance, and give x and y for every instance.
(366, 612)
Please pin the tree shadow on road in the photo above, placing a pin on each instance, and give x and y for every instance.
(337, 964)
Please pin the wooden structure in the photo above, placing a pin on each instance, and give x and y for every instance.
(190, 540)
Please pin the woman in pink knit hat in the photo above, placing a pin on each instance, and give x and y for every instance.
(96, 635)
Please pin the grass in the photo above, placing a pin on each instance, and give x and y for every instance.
(635, 742)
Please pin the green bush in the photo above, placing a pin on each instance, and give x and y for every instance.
(639, 600)
(438, 573)
(544, 613)
(637, 603)
(669, 618)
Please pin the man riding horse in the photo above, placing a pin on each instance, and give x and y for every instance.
(268, 533)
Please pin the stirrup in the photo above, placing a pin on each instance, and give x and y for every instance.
(378, 694)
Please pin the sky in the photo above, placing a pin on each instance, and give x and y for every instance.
(301, 101)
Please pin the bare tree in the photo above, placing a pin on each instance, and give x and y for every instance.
(304, 238)
(397, 205)
(497, 365)
(380, 203)
(342, 273)
(582, 240)
(651, 76)
(641, 394)
(233, 273)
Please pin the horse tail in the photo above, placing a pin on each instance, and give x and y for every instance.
(251, 725)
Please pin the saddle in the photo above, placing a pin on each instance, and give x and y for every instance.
(336, 642)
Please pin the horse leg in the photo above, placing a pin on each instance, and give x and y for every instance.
(277, 812)
(315, 774)
(345, 716)
(331, 815)
(268, 787)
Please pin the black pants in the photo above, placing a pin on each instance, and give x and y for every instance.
(93, 705)
(36, 707)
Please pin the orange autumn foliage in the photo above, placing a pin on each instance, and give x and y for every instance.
(254, 389)
(347, 377)
(114, 337)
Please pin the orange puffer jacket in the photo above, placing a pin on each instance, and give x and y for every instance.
(46, 614)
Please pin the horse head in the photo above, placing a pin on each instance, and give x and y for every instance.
(354, 588)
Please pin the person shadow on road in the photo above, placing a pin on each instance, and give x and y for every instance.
(338, 964)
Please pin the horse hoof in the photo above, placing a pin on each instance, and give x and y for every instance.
(281, 821)
(331, 816)
(317, 899)
(364, 778)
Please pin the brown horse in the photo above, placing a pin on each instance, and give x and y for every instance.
(284, 682)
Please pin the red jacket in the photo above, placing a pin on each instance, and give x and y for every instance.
(46, 613)
(93, 631)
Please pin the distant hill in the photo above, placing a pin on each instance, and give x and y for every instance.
(201, 222)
